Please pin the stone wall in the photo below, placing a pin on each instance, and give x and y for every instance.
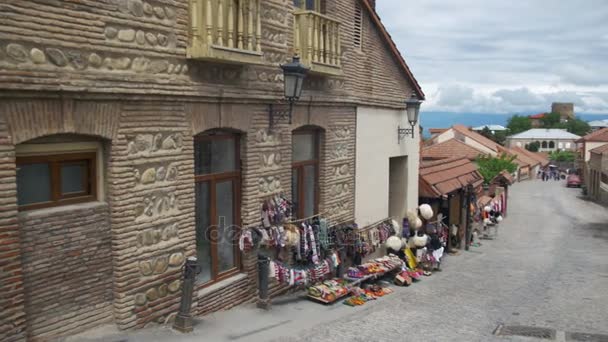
(139, 46)
(12, 315)
(149, 215)
(117, 70)
(67, 269)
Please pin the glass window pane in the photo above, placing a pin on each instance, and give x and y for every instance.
(225, 225)
(303, 147)
(215, 156)
(310, 180)
(203, 244)
(33, 183)
(72, 177)
(295, 194)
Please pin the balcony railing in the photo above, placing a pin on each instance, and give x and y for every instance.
(226, 30)
(317, 41)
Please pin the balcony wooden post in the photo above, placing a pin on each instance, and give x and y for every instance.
(309, 23)
(331, 29)
(316, 39)
(258, 29)
(338, 47)
(250, 26)
(194, 18)
(296, 36)
(209, 22)
(322, 35)
(220, 22)
(240, 25)
(231, 23)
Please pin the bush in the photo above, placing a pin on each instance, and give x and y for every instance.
(562, 156)
(490, 167)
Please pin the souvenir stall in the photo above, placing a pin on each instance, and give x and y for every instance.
(488, 214)
(328, 260)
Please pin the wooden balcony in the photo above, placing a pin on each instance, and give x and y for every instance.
(226, 31)
(317, 41)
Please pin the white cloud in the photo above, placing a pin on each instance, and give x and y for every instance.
(553, 50)
(454, 95)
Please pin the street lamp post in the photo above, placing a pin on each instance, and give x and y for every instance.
(293, 75)
(413, 111)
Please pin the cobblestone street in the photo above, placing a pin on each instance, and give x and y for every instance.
(547, 268)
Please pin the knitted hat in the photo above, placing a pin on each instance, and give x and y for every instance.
(394, 243)
(426, 211)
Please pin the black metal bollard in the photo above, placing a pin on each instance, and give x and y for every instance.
(340, 269)
(183, 320)
(263, 269)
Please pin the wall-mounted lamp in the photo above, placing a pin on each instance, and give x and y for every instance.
(293, 79)
(413, 110)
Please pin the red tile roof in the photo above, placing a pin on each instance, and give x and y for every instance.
(477, 137)
(504, 176)
(389, 40)
(437, 130)
(520, 160)
(601, 135)
(444, 176)
(537, 116)
(523, 154)
(449, 149)
(600, 150)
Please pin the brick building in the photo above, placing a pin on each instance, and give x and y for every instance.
(597, 177)
(133, 131)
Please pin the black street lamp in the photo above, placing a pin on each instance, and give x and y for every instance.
(293, 75)
(413, 111)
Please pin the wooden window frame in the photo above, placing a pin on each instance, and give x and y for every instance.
(55, 161)
(299, 167)
(213, 179)
(319, 5)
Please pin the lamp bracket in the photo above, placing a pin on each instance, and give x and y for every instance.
(278, 112)
(402, 132)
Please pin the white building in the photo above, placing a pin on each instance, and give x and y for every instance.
(549, 139)
(492, 128)
(386, 182)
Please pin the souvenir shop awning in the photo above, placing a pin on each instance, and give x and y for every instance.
(444, 176)
(503, 177)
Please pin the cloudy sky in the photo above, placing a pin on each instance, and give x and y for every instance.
(496, 56)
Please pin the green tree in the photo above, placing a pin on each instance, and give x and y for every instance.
(518, 124)
(578, 127)
(497, 137)
(490, 166)
(551, 120)
(562, 156)
(533, 146)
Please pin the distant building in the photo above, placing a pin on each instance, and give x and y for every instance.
(564, 109)
(550, 139)
(467, 136)
(598, 124)
(588, 143)
(493, 128)
(536, 119)
(597, 182)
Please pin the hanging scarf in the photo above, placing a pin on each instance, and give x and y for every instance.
(323, 236)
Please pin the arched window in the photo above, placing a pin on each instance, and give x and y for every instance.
(217, 190)
(551, 144)
(305, 171)
(544, 144)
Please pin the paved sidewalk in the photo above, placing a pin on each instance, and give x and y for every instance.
(547, 268)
